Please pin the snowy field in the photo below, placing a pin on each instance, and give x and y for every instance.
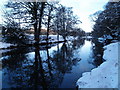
(106, 75)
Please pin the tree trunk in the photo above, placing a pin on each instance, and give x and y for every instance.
(40, 22)
(40, 70)
(35, 24)
(57, 32)
(48, 27)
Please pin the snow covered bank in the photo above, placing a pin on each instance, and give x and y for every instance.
(71, 38)
(5, 45)
(104, 38)
(106, 75)
(52, 38)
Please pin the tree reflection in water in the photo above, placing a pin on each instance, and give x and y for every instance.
(35, 67)
(97, 52)
(20, 71)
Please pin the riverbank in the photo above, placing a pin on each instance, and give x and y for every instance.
(106, 75)
(52, 40)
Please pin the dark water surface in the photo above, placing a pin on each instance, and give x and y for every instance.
(59, 66)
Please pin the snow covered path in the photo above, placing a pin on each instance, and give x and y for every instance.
(106, 75)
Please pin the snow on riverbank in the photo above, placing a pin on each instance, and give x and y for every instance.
(104, 38)
(5, 45)
(106, 75)
(52, 38)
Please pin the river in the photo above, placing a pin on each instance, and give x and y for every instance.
(59, 66)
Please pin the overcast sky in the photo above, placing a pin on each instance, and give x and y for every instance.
(84, 8)
(81, 8)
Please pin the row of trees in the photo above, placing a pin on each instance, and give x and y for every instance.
(21, 16)
(107, 22)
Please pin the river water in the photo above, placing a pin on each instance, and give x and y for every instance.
(59, 66)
